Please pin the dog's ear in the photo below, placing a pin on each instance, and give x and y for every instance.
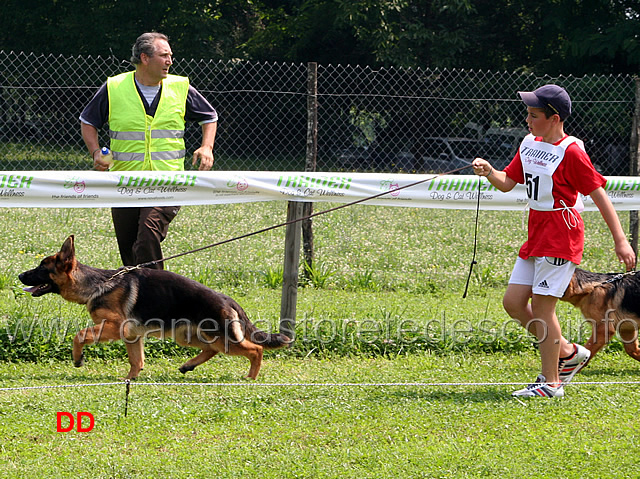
(67, 253)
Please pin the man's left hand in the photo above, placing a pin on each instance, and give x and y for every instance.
(204, 155)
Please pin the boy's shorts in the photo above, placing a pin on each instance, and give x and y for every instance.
(547, 276)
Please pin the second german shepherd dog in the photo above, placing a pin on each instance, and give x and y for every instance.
(610, 303)
(129, 304)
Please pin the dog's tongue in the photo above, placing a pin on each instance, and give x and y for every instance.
(31, 289)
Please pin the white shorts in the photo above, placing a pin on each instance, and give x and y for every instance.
(547, 276)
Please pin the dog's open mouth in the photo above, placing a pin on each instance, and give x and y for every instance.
(38, 290)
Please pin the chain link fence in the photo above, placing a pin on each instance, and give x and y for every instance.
(410, 120)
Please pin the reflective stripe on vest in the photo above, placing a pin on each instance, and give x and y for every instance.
(155, 156)
(142, 142)
(139, 135)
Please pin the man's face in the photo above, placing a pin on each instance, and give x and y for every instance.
(157, 65)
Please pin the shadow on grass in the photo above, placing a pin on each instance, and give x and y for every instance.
(610, 372)
(455, 394)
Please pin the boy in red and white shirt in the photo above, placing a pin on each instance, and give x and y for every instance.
(555, 169)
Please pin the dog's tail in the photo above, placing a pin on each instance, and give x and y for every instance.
(264, 339)
(270, 340)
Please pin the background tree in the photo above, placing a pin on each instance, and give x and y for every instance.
(196, 29)
(548, 36)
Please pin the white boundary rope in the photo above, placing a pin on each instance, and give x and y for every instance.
(61, 386)
(128, 383)
(311, 385)
(370, 385)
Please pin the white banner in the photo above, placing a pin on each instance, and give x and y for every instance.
(92, 189)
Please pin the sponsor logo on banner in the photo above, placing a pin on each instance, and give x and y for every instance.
(238, 183)
(622, 189)
(13, 185)
(233, 186)
(460, 189)
(161, 186)
(389, 185)
(77, 187)
(76, 184)
(393, 187)
(304, 186)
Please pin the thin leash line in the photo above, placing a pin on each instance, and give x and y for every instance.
(286, 223)
(475, 244)
(310, 385)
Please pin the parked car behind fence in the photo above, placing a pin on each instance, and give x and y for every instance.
(428, 155)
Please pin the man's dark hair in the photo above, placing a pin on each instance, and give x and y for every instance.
(145, 44)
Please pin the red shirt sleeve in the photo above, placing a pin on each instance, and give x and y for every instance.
(514, 169)
(581, 173)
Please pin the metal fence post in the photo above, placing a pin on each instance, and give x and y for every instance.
(634, 167)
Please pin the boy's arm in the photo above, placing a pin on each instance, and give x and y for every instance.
(623, 249)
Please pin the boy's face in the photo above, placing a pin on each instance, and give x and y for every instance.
(538, 123)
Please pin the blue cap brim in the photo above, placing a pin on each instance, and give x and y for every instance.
(530, 99)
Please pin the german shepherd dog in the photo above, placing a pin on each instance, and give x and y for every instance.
(129, 304)
(609, 301)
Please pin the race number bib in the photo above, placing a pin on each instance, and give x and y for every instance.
(539, 162)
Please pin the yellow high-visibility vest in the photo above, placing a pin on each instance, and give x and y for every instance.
(140, 141)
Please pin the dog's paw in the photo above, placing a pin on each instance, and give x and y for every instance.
(184, 369)
(80, 362)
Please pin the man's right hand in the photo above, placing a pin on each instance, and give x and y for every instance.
(98, 164)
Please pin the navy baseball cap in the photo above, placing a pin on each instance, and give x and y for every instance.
(552, 96)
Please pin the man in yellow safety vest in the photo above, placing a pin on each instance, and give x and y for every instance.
(146, 110)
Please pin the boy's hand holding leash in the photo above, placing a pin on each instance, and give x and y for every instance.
(482, 167)
(497, 178)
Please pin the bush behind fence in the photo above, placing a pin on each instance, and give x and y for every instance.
(389, 120)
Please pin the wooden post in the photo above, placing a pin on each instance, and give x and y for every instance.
(297, 210)
(312, 155)
(634, 167)
(290, 270)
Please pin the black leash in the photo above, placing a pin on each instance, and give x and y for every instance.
(264, 230)
(475, 243)
(618, 277)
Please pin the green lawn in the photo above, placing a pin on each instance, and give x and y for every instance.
(322, 431)
(390, 311)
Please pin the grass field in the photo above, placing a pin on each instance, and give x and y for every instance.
(386, 308)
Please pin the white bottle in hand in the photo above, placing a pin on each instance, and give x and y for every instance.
(107, 156)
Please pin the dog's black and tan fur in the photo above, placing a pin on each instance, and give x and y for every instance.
(140, 302)
(610, 304)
